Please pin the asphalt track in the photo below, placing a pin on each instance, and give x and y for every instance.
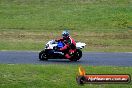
(89, 58)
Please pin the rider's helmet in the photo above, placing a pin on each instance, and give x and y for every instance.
(65, 34)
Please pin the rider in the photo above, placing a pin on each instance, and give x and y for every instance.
(70, 44)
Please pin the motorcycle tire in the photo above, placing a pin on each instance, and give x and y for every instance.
(43, 55)
(77, 55)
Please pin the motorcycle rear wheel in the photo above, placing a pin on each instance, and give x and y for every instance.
(77, 55)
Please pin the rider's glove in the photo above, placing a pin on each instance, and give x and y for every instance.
(56, 40)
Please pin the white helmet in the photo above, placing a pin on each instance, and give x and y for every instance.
(65, 34)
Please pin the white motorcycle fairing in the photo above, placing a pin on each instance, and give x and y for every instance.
(51, 51)
(51, 44)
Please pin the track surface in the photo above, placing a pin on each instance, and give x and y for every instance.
(89, 58)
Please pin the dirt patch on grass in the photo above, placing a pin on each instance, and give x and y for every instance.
(95, 40)
(54, 35)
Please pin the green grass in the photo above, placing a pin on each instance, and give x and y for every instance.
(105, 25)
(49, 76)
(57, 14)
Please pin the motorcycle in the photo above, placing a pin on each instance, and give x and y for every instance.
(51, 51)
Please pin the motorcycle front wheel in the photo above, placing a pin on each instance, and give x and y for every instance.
(43, 55)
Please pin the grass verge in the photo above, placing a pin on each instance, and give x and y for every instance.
(96, 41)
(49, 76)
